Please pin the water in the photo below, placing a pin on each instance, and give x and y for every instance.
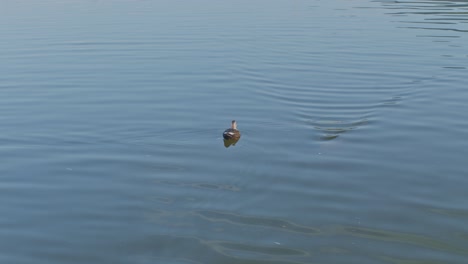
(352, 114)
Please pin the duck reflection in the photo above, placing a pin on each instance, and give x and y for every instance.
(230, 142)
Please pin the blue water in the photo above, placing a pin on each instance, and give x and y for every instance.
(352, 113)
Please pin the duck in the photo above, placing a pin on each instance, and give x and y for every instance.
(232, 133)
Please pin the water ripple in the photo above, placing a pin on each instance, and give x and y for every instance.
(256, 221)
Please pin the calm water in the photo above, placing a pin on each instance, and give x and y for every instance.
(354, 143)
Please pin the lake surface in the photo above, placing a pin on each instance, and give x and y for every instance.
(353, 116)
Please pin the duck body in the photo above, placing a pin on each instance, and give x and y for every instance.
(232, 133)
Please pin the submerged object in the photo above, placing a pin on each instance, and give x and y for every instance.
(232, 133)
